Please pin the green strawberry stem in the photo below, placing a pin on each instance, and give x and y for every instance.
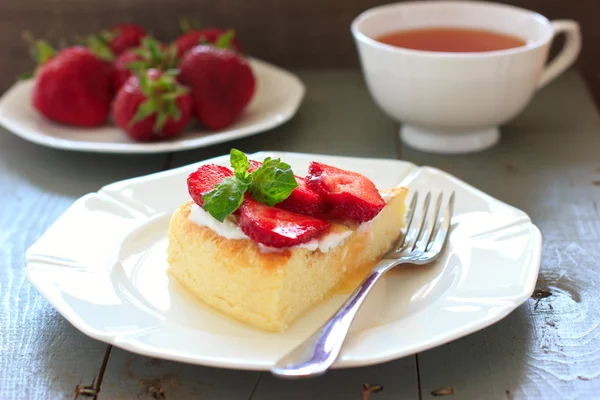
(152, 55)
(161, 94)
(99, 45)
(187, 25)
(225, 40)
(40, 50)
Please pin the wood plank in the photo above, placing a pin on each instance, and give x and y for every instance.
(549, 347)
(130, 376)
(397, 378)
(43, 356)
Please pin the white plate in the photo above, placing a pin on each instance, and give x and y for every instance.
(102, 266)
(278, 96)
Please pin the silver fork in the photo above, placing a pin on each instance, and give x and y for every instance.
(423, 243)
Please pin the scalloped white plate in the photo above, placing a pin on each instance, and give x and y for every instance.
(102, 266)
(278, 96)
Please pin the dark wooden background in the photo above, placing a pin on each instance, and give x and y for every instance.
(307, 33)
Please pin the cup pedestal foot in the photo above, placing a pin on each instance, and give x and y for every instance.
(448, 142)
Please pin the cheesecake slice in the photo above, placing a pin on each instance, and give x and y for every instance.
(271, 287)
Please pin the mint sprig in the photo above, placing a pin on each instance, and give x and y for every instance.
(240, 164)
(271, 183)
(225, 198)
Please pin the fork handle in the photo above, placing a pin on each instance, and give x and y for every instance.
(316, 354)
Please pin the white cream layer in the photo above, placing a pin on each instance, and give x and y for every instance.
(230, 229)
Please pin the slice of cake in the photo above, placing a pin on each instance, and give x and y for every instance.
(265, 264)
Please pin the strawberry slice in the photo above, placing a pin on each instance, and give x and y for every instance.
(278, 228)
(303, 200)
(254, 165)
(204, 180)
(350, 194)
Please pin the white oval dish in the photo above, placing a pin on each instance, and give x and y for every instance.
(278, 96)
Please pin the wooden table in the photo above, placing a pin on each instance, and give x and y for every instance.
(548, 164)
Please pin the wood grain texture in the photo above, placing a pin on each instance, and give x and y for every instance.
(310, 33)
(130, 376)
(398, 379)
(550, 347)
(41, 355)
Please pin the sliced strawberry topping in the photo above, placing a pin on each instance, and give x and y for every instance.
(277, 228)
(204, 180)
(254, 165)
(351, 194)
(303, 199)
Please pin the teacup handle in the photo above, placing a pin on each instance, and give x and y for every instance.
(568, 53)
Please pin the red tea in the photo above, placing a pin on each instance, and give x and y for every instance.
(456, 40)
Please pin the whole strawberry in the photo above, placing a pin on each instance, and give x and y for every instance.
(150, 54)
(125, 36)
(221, 81)
(122, 70)
(111, 43)
(152, 106)
(193, 38)
(73, 88)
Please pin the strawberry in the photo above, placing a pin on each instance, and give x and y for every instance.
(277, 228)
(73, 88)
(111, 43)
(193, 38)
(124, 36)
(121, 70)
(303, 200)
(204, 180)
(221, 81)
(351, 195)
(150, 54)
(152, 106)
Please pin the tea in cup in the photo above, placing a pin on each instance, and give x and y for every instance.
(451, 72)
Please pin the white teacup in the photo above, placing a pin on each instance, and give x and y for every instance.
(454, 102)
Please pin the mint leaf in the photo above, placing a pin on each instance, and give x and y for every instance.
(240, 164)
(273, 182)
(224, 198)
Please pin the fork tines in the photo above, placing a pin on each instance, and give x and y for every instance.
(427, 228)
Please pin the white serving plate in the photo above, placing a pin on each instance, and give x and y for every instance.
(278, 96)
(102, 266)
